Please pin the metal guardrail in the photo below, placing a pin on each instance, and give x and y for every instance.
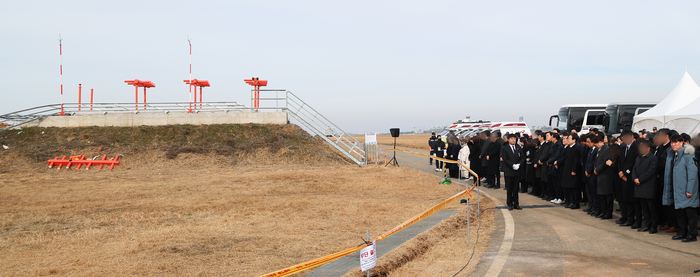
(282, 100)
(25, 116)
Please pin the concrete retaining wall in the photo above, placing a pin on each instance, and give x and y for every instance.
(157, 119)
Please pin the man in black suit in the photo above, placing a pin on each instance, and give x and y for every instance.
(592, 178)
(667, 216)
(570, 166)
(485, 139)
(644, 178)
(583, 182)
(545, 179)
(537, 184)
(493, 162)
(603, 168)
(628, 203)
(554, 153)
(513, 158)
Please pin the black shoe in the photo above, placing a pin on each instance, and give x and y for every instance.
(645, 229)
(586, 210)
(510, 208)
(678, 237)
(599, 216)
(575, 207)
(606, 217)
(517, 207)
(635, 226)
(497, 187)
(620, 221)
(626, 224)
(590, 212)
(689, 239)
(653, 231)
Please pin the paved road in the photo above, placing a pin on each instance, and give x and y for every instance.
(550, 240)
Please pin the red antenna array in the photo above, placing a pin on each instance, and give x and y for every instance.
(197, 83)
(137, 84)
(257, 83)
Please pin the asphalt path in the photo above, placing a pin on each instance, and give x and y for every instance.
(550, 240)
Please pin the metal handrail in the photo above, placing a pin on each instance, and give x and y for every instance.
(21, 116)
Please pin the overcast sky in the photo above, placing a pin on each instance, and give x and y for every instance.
(366, 65)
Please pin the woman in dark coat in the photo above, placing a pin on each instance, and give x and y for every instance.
(493, 153)
(605, 171)
(527, 175)
(453, 147)
(644, 178)
(569, 178)
(474, 150)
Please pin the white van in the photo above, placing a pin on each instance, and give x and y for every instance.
(511, 128)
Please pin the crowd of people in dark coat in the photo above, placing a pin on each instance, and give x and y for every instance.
(653, 176)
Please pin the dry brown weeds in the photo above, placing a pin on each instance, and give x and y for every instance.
(406, 141)
(191, 216)
(243, 202)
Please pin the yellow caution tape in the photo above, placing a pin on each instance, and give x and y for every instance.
(323, 260)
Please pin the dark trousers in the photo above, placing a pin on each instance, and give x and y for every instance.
(536, 189)
(491, 179)
(651, 212)
(573, 195)
(583, 188)
(606, 204)
(523, 186)
(431, 156)
(512, 190)
(438, 163)
(498, 180)
(593, 198)
(687, 221)
(556, 188)
(553, 186)
(545, 188)
(454, 169)
(634, 212)
(670, 213)
(623, 210)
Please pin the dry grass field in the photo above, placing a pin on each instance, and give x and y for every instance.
(405, 141)
(218, 207)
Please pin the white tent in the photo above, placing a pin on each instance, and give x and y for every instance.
(685, 120)
(684, 94)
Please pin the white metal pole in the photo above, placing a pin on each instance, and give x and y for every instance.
(368, 240)
(468, 233)
(60, 53)
(190, 85)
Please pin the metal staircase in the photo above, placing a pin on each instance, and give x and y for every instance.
(324, 128)
(313, 121)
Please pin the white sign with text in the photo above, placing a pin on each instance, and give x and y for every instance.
(368, 257)
(371, 139)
